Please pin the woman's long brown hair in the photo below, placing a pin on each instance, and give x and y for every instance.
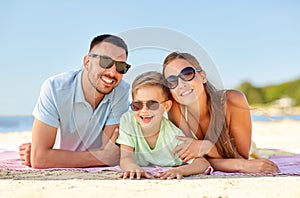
(218, 131)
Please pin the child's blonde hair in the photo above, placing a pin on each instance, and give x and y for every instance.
(151, 78)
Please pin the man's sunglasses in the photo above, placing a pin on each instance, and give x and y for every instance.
(187, 74)
(106, 62)
(151, 104)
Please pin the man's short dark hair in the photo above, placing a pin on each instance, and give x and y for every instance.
(115, 40)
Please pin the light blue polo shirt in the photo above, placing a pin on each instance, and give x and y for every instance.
(61, 104)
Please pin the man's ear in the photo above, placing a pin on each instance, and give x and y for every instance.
(86, 60)
(167, 105)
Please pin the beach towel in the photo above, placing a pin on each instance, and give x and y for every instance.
(256, 153)
(10, 160)
(288, 165)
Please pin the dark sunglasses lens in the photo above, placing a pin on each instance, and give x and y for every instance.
(122, 67)
(106, 62)
(187, 74)
(136, 106)
(152, 105)
(172, 81)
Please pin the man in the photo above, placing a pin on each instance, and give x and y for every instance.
(78, 112)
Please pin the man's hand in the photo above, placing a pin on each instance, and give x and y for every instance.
(24, 152)
(110, 152)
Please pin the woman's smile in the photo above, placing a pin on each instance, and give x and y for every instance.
(187, 92)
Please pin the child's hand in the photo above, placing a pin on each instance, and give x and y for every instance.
(174, 173)
(137, 173)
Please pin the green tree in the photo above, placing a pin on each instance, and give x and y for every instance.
(270, 93)
(254, 95)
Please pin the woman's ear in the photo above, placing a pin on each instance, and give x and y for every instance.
(85, 62)
(203, 75)
(167, 105)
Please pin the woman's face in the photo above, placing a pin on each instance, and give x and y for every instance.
(186, 92)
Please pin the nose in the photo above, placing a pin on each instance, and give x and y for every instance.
(144, 107)
(181, 83)
(112, 71)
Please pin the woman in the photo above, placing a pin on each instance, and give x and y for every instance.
(217, 123)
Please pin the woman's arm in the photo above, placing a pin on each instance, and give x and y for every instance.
(244, 165)
(238, 120)
(191, 148)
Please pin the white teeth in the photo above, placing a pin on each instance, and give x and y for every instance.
(186, 92)
(143, 117)
(107, 80)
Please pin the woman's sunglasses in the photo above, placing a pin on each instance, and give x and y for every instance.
(106, 62)
(151, 104)
(187, 74)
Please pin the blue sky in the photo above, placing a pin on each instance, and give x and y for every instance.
(254, 40)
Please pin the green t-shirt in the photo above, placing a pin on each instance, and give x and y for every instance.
(162, 155)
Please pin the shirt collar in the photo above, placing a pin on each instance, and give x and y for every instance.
(79, 96)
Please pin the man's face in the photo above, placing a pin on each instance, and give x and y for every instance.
(104, 80)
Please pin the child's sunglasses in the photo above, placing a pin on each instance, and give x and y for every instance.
(151, 104)
(106, 62)
(187, 74)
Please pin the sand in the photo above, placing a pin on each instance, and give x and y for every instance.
(283, 135)
(222, 187)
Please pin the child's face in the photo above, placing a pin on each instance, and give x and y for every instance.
(146, 117)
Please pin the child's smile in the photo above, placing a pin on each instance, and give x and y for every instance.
(146, 118)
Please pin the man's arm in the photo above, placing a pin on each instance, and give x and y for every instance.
(44, 156)
(109, 153)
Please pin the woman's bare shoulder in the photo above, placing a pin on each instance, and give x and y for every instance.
(236, 98)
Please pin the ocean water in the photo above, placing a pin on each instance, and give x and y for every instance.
(15, 123)
(24, 123)
(274, 118)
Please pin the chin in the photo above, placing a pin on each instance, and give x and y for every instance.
(149, 125)
(105, 90)
(146, 125)
(188, 100)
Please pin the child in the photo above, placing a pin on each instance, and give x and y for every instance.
(147, 137)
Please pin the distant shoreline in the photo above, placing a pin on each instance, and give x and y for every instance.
(275, 111)
(255, 109)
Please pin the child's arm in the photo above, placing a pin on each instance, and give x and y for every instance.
(198, 166)
(128, 165)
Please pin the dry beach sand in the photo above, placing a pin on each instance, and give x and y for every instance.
(283, 134)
